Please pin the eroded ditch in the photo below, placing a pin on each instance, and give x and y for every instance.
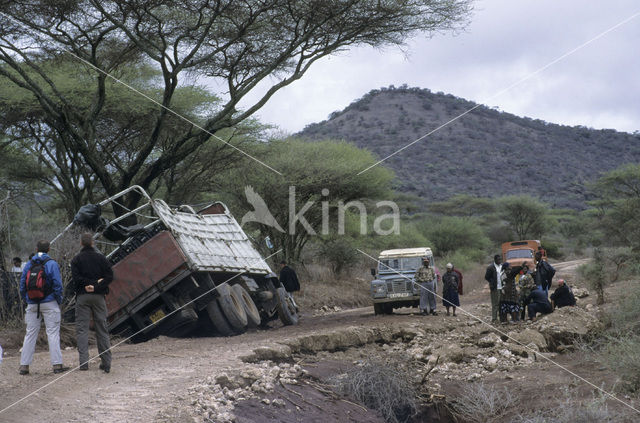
(294, 379)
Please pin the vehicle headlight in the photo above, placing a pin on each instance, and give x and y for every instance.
(379, 288)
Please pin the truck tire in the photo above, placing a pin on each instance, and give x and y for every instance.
(253, 315)
(286, 310)
(378, 308)
(233, 309)
(218, 319)
(181, 324)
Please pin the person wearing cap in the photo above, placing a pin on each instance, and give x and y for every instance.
(562, 296)
(426, 278)
(450, 289)
(493, 276)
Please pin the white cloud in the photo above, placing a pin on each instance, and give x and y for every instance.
(596, 86)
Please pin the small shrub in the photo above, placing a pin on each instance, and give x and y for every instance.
(572, 411)
(339, 253)
(594, 273)
(384, 386)
(622, 355)
(481, 404)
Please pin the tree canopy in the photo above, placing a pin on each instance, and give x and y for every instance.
(318, 177)
(617, 203)
(525, 215)
(241, 45)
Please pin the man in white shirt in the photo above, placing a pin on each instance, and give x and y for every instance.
(18, 266)
(493, 277)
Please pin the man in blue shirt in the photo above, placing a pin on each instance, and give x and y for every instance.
(47, 308)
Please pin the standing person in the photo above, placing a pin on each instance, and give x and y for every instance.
(493, 276)
(537, 302)
(288, 278)
(450, 289)
(18, 267)
(459, 273)
(426, 278)
(526, 284)
(509, 301)
(544, 272)
(42, 304)
(91, 273)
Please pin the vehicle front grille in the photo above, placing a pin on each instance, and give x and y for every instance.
(399, 285)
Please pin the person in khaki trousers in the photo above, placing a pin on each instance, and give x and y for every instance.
(92, 274)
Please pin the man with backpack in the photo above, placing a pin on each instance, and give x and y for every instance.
(92, 274)
(544, 272)
(41, 288)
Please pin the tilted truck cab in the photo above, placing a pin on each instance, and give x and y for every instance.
(394, 285)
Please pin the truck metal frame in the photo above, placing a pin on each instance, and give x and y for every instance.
(183, 269)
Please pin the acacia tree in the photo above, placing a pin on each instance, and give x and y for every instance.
(616, 205)
(238, 43)
(525, 215)
(319, 180)
(38, 155)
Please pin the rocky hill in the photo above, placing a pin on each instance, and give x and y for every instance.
(485, 153)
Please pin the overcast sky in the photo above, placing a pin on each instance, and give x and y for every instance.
(597, 86)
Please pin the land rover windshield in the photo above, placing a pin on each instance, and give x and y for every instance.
(403, 264)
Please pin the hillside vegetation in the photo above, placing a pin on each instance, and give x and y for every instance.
(485, 153)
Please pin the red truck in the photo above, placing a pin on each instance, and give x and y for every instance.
(178, 269)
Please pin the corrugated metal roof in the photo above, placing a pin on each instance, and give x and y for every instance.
(212, 242)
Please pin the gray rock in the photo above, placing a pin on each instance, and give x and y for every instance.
(528, 336)
(489, 340)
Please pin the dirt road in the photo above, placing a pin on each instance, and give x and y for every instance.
(152, 376)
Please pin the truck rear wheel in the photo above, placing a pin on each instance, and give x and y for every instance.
(378, 308)
(181, 324)
(253, 315)
(218, 319)
(286, 310)
(233, 309)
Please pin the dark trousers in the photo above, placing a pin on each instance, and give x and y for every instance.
(496, 295)
(87, 304)
(534, 308)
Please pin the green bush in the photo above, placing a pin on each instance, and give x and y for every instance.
(553, 248)
(339, 253)
(450, 234)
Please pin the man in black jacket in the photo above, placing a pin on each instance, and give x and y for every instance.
(537, 302)
(92, 274)
(544, 272)
(288, 278)
(562, 296)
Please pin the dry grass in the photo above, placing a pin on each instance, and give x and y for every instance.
(474, 278)
(319, 286)
(572, 410)
(481, 404)
(382, 385)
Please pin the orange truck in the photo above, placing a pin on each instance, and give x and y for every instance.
(517, 252)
